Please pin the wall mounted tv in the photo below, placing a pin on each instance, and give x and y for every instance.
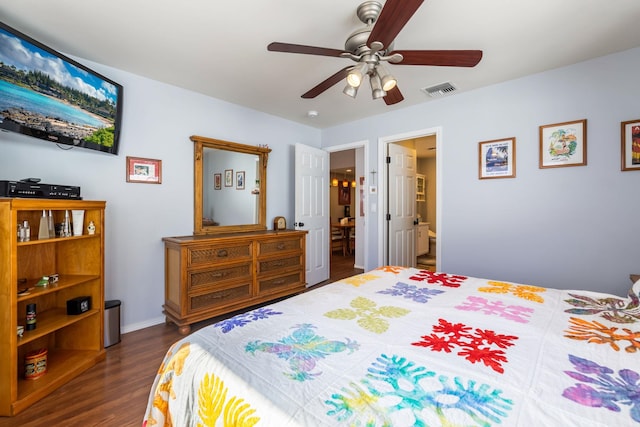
(49, 96)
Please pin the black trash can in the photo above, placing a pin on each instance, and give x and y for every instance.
(111, 322)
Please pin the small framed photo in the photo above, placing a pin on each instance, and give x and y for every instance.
(497, 158)
(147, 171)
(563, 144)
(228, 178)
(630, 132)
(217, 181)
(240, 180)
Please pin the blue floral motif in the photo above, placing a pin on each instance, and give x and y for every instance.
(598, 388)
(421, 295)
(303, 348)
(242, 319)
(394, 379)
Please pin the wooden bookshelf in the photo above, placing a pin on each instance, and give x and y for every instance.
(74, 343)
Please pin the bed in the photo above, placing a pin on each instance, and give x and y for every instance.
(407, 347)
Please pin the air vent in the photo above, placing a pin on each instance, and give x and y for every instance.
(439, 90)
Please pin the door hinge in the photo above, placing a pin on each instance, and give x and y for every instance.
(388, 217)
(388, 160)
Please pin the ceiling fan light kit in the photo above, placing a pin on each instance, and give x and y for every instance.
(372, 45)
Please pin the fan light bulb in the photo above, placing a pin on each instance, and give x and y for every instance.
(388, 81)
(356, 74)
(376, 89)
(350, 90)
(354, 78)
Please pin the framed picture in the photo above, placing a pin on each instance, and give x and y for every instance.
(497, 158)
(630, 132)
(563, 144)
(217, 181)
(344, 194)
(240, 180)
(228, 177)
(147, 171)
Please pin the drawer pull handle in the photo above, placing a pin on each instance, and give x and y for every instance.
(281, 246)
(278, 282)
(217, 275)
(278, 263)
(223, 253)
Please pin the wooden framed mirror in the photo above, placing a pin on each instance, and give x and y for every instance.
(230, 186)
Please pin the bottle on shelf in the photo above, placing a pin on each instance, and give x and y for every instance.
(43, 230)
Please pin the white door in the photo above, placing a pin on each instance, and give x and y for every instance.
(312, 208)
(401, 199)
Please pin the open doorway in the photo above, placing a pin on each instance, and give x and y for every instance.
(427, 198)
(347, 209)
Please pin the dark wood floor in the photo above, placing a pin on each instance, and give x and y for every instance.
(115, 391)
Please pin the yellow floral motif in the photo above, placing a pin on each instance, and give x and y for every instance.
(212, 403)
(391, 269)
(597, 333)
(360, 279)
(171, 366)
(527, 292)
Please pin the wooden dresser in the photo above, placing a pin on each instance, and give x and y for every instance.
(213, 274)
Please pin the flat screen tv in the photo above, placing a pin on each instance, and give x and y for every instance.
(47, 95)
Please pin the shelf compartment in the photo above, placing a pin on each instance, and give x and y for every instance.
(65, 281)
(55, 240)
(53, 320)
(62, 366)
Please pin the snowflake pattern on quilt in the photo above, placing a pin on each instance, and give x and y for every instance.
(240, 320)
(369, 315)
(597, 333)
(599, 388)
(360, 279)
(394, 386)
(616, 310)
(528, 292)
(514, 313)
(302, 349)
(475, 346)
(412, 292)
(443, 279)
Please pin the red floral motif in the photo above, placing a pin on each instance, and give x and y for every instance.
(474, 346)
(443, 279)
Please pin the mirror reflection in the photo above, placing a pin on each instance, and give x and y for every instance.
(231, 195)
(229, 186)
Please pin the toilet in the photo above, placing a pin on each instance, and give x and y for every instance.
(432, 243)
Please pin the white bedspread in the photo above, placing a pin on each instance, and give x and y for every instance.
(406, 347)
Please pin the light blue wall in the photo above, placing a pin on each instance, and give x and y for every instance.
(158, 120)
(572, 227)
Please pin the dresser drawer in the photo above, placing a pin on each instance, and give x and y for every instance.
(278, 264)
(270, 247)
(219, 297)
(218, 254)
(276, 283)
(199, 279)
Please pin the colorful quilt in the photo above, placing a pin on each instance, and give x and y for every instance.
(406, 347)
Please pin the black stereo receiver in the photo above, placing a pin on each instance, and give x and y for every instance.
(38, 190)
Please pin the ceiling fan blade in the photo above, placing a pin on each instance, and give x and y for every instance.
(321, 87)
(393, 17)
(300, 48)
(445, 58)
(393, 96)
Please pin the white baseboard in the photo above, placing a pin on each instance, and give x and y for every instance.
(142, 325)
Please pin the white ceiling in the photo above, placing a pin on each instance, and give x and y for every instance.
(219, 48)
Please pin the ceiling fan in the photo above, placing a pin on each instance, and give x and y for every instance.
(372, 45)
